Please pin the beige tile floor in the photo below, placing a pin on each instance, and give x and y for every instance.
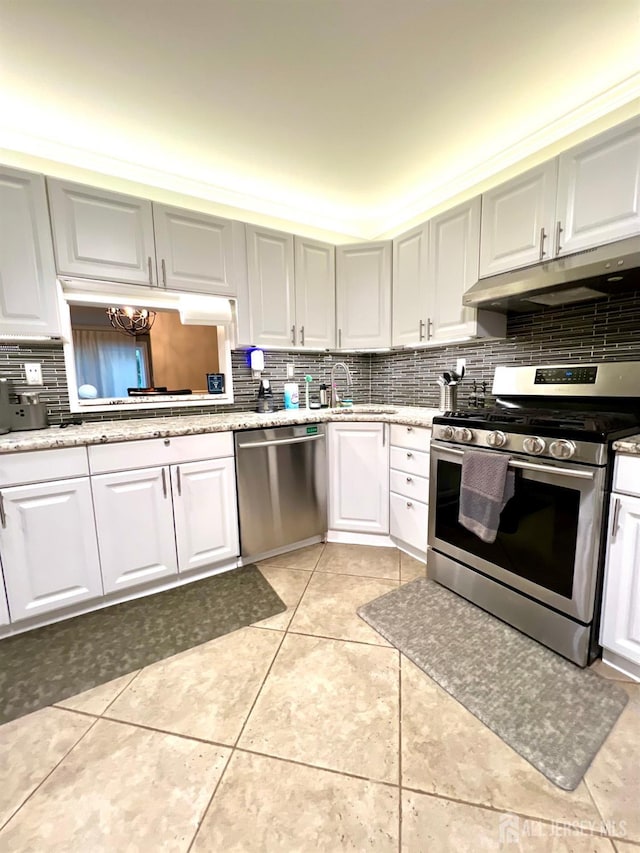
(305, 732)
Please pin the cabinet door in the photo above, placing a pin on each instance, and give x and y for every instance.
(410, 282)
(315, 266)
(48, 546)
(358, 478)
(27, 269)
(599, 189)
(454, 245)
(620, 630)
(205, 510)
(363, 292)
(134, 519)
(518, 218)
(101, 234)
(195, 252)
(271, 289)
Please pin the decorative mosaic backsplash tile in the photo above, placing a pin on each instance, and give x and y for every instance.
(607, 330)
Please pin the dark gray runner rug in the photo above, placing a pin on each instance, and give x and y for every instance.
(549, 711)
(49, 664)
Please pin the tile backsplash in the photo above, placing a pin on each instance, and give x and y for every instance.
(607, 330)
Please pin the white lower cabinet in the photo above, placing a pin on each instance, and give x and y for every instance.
(620, 631)
(358, 478)
(409, 485)
(205, 512)
(48, 547)
(134, 519)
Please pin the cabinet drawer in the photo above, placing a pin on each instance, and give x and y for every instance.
(416, 438)
(626, 475)
(125, 455)
(39, 466)
(411, 461)
(409, 485)
(408, 521)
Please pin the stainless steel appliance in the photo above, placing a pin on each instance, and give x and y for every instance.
(282, 486)
(5, 407)
(30, 413)
(543, 574)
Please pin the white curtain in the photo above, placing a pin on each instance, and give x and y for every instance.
(107, 360)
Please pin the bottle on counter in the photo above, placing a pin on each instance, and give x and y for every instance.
(291, 395)
(324, 397)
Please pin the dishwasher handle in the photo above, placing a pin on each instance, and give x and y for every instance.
(276, 441)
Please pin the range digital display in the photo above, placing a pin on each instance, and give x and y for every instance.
(566, 375)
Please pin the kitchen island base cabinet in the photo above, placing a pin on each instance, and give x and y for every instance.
(620, 631)
(205, 511)
(134, 519)
(359, 478)
(48, 545)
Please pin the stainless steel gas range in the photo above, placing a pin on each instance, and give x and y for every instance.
(543, 573)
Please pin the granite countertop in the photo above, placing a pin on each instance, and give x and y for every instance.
(627, 445)
(107, 432)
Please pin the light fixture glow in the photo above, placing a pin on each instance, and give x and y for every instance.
(131, 321)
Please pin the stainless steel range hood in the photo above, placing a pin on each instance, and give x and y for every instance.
(592, 274)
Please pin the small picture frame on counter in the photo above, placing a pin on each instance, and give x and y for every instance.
(215, 383)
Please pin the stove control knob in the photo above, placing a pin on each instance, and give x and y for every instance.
(446, 432)
(562, 449)
(463, 434)
(496, 439)
(534, 445)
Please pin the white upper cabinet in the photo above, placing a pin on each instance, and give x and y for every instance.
(102, 234)
(270, 268)
(49, 548)
(194, 251)
(410, 283)
(599, 190)
(27, 268)
(315, 288)
(518, 220)
(363, 295)
(454, 246)
(205, 512)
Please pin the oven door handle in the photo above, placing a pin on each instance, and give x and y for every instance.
(531, 466)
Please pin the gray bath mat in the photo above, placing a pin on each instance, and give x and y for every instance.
(549, 711)
(52, 663)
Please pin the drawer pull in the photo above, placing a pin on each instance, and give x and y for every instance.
(179, 483)
(3, 517)
(409, 455)
(409, 504)
(164, 483)
(409, 429)
(167, 442)
(409, 479)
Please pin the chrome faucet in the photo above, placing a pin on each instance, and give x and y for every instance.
(336, 400)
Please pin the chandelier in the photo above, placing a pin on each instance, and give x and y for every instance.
(131, 321)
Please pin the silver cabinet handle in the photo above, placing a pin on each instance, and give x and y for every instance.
(150, 270)
(179, 481)
(409, 479)
(164, 482)
(421, 330)
(301, 335)
(543, 237)
(559, 230)
(615, 522)
(167, 442)
(339, 338)
(429, 328)
(409, 504)
(409, 429)
(293, 335)
(164, 272)
(409, 455)
(384, 435)
(3, 517)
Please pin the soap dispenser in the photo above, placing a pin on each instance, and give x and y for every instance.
(265, 397)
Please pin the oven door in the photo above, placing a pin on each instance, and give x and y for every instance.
(548, 541)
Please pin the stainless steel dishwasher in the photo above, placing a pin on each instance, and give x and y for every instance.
(282, 486)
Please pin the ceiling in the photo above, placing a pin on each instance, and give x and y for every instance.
(352, 116)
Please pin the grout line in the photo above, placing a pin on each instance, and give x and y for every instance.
(126, 687)
(206, 808)
(180, 735)
(341, 640)
(361, 577)
(53, 769)
(399, 752)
